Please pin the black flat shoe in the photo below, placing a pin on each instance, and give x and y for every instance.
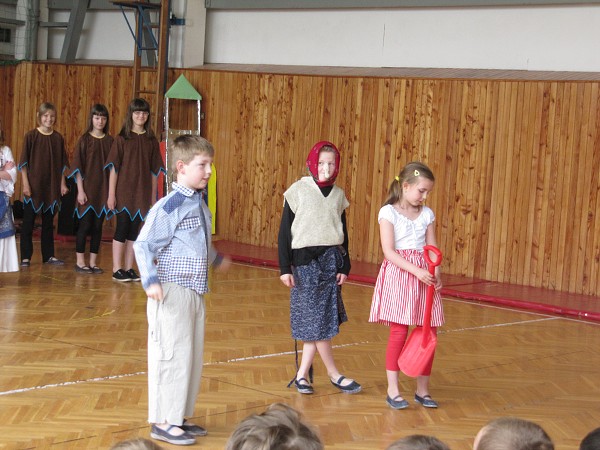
(194, 430)
(352, 388)
(396, 404)
(164, 435)
(303, 388)
(426, 401)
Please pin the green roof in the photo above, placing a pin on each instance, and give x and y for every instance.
(183, 89)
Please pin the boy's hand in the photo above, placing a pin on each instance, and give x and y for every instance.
(340, 278)
(154, 291)
(224, 265)
(288, 280)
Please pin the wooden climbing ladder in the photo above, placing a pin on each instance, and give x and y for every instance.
(150, 61)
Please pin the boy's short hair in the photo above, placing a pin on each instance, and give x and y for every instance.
(591, 441)
(418, 442)
(512, 433)
(279, 427)
(136, 444)
(188, 146)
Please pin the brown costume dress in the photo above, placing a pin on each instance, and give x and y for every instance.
(88, 159)
(135, 160)
(46, 160)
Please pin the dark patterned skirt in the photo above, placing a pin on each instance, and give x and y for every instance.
(316, 306)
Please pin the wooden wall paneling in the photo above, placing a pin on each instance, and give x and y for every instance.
(547, 111)
(561, 184)
(593, 230)
(548, 198)
(529, 174)
(590, 165)
(380, 152)
(516, 162)
(443, 169)
(475, 168)
(466, 164)
(574, 222)
(521, 173)
(486, 178)
(455, 148)
(495, 242)
(363, 166)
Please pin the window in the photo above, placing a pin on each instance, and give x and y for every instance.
(5, 35)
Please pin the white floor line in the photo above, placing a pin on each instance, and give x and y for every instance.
(70, 383)
(495, 325)
(114, 377)
(272, 355)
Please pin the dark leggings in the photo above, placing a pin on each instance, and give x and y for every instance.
(90, 224)
(27, 233)
(127, 229)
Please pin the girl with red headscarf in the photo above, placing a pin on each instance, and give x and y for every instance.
(314, 263)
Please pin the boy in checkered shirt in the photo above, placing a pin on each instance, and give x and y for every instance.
(173, 252)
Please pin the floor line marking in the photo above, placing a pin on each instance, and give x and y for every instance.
(115, 377)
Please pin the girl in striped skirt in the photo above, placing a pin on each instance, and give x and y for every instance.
(406, 226)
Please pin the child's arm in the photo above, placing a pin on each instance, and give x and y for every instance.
(154, 189)
(81, 197)
(284, 240)
(63, 185)
(26, 186)
(111, 202)
(388, 244)
(157, 232)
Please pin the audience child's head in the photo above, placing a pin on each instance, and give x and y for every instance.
(98, 110)
(591, 441)
(410, 175)
(511, 433)
(418, 442)
(186, 147)
(280, 427)
(136, 444)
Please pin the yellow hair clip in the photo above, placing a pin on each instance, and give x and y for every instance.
(417, 173)
(397, 178)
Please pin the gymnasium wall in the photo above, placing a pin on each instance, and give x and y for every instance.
(517, 165)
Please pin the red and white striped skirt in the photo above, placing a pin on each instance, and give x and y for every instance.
(399, 297)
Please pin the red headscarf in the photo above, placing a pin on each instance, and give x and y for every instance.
(312, 163)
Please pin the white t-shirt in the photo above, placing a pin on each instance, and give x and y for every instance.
(408, 234)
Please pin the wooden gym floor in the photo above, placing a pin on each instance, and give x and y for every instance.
(73, 364)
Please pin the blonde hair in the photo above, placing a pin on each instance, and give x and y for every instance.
(418, 442)
(512, 433)
(186, 147)
(136, 444)
(409, 174)
(280, 427)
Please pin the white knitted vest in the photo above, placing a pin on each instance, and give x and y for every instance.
(317, 218)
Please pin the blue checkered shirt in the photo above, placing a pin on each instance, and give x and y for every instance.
(174, 245)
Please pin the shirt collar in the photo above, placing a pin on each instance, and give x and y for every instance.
(184, 190)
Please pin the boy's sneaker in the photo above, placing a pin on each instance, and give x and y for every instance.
(121, 275)
(133, 276)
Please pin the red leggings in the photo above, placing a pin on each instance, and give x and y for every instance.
(396, 341)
